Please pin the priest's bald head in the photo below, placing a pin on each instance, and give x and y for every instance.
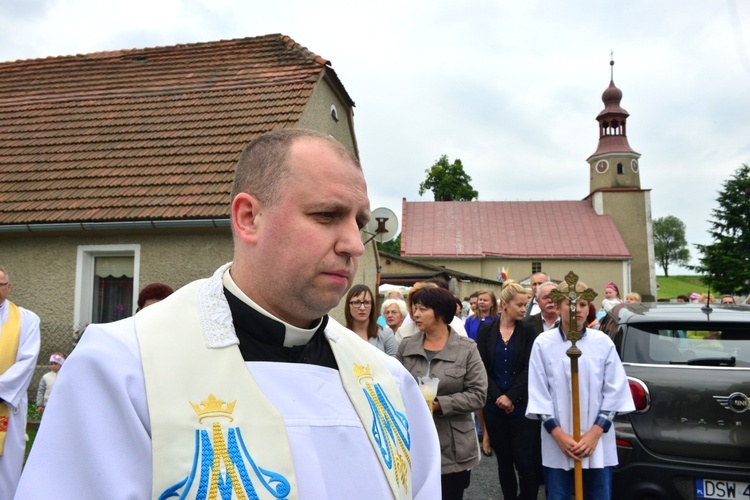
(299, 204)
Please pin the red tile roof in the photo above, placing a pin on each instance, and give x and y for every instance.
(143, 134)
(534, 229)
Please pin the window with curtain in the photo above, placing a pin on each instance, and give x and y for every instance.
(112, 288)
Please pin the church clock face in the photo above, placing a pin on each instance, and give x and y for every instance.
(634, 166)
(602, 166)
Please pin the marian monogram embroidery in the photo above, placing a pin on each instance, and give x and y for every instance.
(222, 466)
(390, 428)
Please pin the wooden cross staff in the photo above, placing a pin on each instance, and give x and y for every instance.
(573, 295)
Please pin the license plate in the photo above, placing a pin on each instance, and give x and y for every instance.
(712, 488)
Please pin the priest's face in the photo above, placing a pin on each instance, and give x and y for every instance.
(302, 252)
(582, 312)
(4, 287)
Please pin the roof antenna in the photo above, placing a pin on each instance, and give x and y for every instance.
(612, 65)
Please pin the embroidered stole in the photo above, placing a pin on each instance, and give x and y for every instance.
(9, 339)
(215, 434)
(377, 400)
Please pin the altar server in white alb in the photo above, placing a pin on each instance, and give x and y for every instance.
(240, 385)
(604, 392)
(19, 348)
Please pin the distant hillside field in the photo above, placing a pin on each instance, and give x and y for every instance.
(670, 288)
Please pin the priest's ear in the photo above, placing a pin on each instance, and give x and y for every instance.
(246, 210)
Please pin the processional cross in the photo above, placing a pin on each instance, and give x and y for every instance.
(573, 352)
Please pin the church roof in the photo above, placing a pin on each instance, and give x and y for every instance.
(611, 99)
(143, 134)
(522, 229)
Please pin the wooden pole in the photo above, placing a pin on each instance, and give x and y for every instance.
(574, 353)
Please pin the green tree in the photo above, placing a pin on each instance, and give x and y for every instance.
(448, 181)
(725, 263)
(670, 246)
(392, 247)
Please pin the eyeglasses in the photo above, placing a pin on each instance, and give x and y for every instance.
(359, 303)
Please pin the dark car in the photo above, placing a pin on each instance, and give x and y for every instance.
(689, 371)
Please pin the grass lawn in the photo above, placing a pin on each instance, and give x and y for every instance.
(31, 432)
(671, 287)
(32, 426)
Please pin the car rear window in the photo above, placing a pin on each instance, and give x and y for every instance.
(700, 344)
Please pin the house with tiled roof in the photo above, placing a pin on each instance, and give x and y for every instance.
(605, 237)
(116, 167)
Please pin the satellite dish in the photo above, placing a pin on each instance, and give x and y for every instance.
(382, 226)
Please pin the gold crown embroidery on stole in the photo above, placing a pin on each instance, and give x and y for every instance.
(213, 407)
(362, 372)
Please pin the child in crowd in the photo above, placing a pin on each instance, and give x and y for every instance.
(603, 393)
(632, 298)
(48, 380)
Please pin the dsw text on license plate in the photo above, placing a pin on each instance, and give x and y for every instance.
(712, 488)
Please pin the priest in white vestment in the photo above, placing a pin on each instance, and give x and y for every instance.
(19, 348)
(240, 385)
(604, 392)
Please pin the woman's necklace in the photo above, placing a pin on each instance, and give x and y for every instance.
(507, 334)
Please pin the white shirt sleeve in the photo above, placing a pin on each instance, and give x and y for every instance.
(94, 440)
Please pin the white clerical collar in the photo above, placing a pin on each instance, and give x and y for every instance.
(294, 335)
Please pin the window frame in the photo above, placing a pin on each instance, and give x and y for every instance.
(84, 287)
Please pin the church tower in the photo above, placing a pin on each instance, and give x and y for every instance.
(615, 189)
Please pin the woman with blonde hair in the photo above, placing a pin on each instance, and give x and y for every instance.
(505, 346)
(632, 298)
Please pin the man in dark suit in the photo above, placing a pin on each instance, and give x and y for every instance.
(532, 307)
(549, 315)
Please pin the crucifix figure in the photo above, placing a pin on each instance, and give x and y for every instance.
(578, 441)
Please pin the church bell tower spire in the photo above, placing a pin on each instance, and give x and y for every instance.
(614, 164)
(615, 190)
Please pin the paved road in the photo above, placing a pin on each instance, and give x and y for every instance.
(485, 484)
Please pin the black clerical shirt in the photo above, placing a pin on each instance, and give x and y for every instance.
(262, 338)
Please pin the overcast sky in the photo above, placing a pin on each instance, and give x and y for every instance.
(510, 88)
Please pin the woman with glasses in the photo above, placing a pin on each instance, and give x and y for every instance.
(362, 319)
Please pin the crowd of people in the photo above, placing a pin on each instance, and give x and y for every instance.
(241, 384)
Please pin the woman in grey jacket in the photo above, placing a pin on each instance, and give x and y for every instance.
(437, 351)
